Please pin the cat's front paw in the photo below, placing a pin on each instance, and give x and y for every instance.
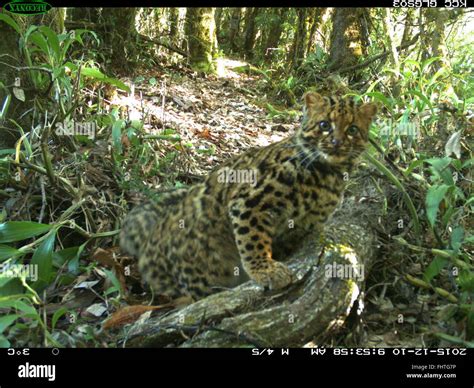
(274, 275)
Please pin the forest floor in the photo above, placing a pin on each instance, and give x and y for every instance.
(217, 116)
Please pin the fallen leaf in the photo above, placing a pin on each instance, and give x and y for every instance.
(97, 309)
(128, 314)
(19, 94)
(453, 146)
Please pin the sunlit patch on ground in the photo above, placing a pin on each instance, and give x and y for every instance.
(224, 67)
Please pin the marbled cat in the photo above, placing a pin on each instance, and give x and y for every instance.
(253, 211)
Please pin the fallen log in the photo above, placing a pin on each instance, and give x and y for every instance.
(331, 276)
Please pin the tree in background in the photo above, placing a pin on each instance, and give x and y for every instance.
(174, 22)
(276, 25)
(297, 51)
(200, 32)
(250, 31)
(346, 46)
(234, 28)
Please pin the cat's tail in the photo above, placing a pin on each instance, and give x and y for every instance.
(141, 221)
(137, 226)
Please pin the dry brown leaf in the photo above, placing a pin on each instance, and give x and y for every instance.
(105, 257)
(205, 133)
(128, 314)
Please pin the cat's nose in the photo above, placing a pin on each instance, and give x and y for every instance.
(336, 142)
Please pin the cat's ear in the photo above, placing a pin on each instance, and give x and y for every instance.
(368, 110)
(313, 100)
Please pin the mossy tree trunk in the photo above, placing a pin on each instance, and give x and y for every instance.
(346, 44)
(218, 19)
(54, 19)
(250, 31)
(316, 15)
(408, 25)
(88, 14)
(10, 56)
(122, 40)
(201, 35)
(437, 43)
(297, 51)
(174, 22)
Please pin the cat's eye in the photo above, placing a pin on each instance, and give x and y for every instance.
(352, 130)
(325, 125)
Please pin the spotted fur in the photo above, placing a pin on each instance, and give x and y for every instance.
(217, 234)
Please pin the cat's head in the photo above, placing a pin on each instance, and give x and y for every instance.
(334, 129)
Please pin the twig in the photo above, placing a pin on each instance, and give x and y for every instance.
(69, 187)
(47, 155)
(449, 255)
(440, 291)
(169, 46)
(37, 68)
(43, 202)
(377, 57)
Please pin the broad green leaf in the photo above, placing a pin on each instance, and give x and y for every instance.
(442, 71)
(64, 255)
(413, 62)
(433, 198)
(422, 97)
(43, 258)
(12, 23)
(373, 85)
(440, 168)
(7, 151)
(412, 166)
(57, 314)
(468, 163)
(434, 268)
(117, 134)
(39, 40)
(21, 230)
(97, 74)
(4, 343)
(113, 279)
(53, 41)
(7, 320)
(428, 62)
(73, 264)
(11, 286)
(7, 251)
(380, 97)
(457, 237)
(26, 37)
(451, 339)
(18, 305)
(71, 66)
(465, 281)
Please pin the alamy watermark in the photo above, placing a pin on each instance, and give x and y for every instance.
(344, 271)
(229, 175)
(28, 271)
(404, 129)
(72, 128)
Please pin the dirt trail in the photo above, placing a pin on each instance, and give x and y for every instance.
(219, 116)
